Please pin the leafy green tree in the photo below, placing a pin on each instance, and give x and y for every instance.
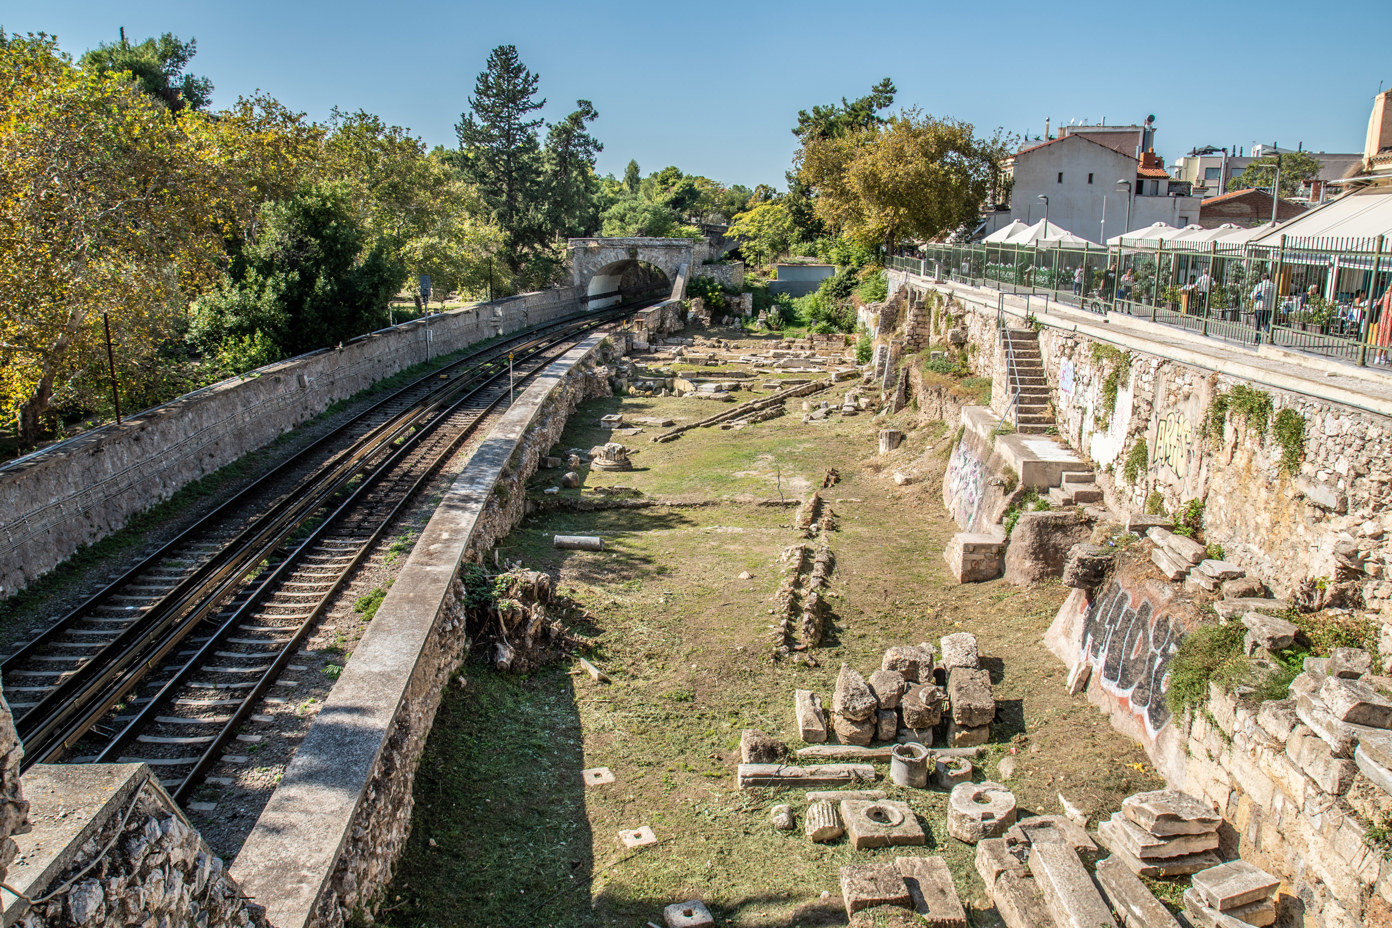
(915, 176)
(765, 232)
(632, 178)
(500, 153)
(571, 201)
(308, 280)
(636, 216)
(1296, 168)
(107, 206)
(828, 122)
(158, 67)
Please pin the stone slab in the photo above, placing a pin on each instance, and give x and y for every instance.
(995, 856)
(1148, 848)
(854, 751)
(1204, 916)
(853, 698)
(1040, 460)
(1170, 812)
(1235, 883)
(1068, 890)
(1269, 631)
(1379, 774)
(930, 889)
(749, 776)
(913, 663)
(979, 810)
(1350, 663)
(960, 737)
(1342, 737)
(1128, 897)
(638, 837)
(1019, 902)
(1356, 702)
(864, 886)
(881, 823)
(1229, 609)
(1220, 570)
(888, 686)
(1174, 866)
(836, 795)
(597, 776)
(1051, 829)
(811, 719)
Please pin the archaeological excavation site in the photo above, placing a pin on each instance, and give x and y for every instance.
(564, 613)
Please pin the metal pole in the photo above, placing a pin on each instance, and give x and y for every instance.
(511, 388)
(1368, 313)
(1276, 189)
(111, 363)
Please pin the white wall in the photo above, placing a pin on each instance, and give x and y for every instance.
(1074, 204)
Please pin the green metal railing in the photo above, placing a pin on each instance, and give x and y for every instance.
(1324, 293)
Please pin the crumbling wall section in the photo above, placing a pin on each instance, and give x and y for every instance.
(729, 274)
(110, 848)
(79, 491)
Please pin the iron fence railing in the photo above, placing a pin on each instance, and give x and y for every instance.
(1327, 297)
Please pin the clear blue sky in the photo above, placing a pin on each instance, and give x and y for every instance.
(714, 87)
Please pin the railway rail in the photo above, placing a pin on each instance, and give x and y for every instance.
(169, 662)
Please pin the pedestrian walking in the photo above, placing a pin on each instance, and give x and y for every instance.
(1263, 295)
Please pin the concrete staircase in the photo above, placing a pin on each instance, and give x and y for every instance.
(1077, 487)
(1028, 377)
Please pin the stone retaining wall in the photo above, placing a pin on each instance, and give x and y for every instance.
(1289, 806)
(1326, 524)
(110, 848)
(729, 274)
(79, 491)
(326, 842)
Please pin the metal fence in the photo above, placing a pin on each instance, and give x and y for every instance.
(1326, 297)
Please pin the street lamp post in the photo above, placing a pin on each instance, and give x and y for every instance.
(1046, 212)
(1123, 182)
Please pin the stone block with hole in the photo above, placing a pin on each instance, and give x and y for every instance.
(979, 810)
(690, 914)
(881, 823)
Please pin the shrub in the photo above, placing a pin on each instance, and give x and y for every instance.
(1137, 460)
(865, 349)
(1253, 405)
(1155, 504)
(1210, 653)
(873, 289)
(1189, 518)
(941, 366)
(1289, 429)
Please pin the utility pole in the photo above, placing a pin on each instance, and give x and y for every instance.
(111, 364)
(1276, 188)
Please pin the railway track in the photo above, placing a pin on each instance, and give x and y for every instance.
(168, 663)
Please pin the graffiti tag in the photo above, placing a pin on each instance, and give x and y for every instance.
(1131, 647)
(966, 482)
(1172, 438)
(1065, 379)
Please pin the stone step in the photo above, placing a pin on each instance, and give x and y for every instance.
(1083, 493)
(1033, 429)
(1029, 335)
(1034, 419)
(1079, 476)
(1060, 498)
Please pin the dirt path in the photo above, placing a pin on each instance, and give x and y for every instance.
(506, 834)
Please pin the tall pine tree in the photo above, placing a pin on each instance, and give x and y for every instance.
(500, 152)
(572, 206)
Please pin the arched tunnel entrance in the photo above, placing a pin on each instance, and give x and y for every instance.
(626, 281)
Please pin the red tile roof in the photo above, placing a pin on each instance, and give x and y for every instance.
(1157, 173)
(1230, 194)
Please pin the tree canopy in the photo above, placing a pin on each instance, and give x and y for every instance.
(158, 67)
(1296, 168)
(913, 176)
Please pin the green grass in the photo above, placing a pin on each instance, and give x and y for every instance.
(367, 605)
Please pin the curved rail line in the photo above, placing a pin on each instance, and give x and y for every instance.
(147, 647)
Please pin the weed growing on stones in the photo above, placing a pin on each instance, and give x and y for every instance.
(1137, 460)
(1289, 429)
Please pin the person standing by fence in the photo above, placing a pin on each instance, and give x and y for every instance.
(1078, 281)
(1263, 295)
(1202, 286)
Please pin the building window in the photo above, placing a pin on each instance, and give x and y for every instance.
(1211, 173)
(1183, 221)
(1060, 177)
(1089, 178)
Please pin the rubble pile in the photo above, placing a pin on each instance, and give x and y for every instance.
(515, 624)
(912, 698)
(800, 606)
(1235, 890)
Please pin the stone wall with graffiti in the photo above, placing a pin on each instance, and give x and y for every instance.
(974, 486)
(1127, 631)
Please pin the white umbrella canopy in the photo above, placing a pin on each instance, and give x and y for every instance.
(1243, 236)
(1004, 232)
(1044, 234)
(1156, 230)
(1186, 237)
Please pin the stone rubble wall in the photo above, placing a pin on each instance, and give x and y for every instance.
(14, 811)
(729, 274)
(1330, 521)
(77, 492)
(324, 849)
(137, 862)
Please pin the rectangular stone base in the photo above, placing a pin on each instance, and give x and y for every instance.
(974, 558)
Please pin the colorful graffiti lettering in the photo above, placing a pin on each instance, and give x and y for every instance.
(965, 481)
(1065, 377)
(1131, 647)
(1173, 435)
